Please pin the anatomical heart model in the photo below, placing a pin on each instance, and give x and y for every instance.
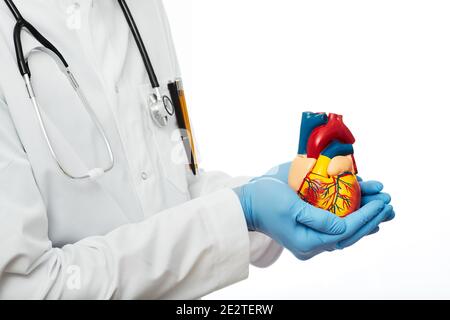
(324, 172)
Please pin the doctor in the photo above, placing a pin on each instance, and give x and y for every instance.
(143, 225)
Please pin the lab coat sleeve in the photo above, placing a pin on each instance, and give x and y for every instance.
(184, 252)
(263, 250)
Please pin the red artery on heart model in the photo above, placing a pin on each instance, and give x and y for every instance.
(324, 172)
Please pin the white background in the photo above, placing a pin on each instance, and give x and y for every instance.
(252, 67)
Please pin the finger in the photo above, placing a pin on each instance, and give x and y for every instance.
(356, 221)
(361, 217)
(386, 198)
(370, 187)
(374, 231)
(370, 228)
(390, 217)
(366, 229)
(320, 220)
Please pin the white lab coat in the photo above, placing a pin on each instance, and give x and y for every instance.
(148, 228)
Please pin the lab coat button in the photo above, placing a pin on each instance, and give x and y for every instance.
(144, 175)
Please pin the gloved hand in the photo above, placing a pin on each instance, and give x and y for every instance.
(370, 190)
(271, 207)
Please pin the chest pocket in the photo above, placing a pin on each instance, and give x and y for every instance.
(166, 142)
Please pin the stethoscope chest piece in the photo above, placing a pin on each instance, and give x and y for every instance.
(161, 109)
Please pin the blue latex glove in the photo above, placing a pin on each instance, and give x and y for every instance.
(271, 207)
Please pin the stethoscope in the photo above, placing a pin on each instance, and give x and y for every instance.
(160, 106)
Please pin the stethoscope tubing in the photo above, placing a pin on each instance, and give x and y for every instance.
(22, 24)
(140, 44)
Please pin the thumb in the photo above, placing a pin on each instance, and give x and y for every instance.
(320, 220)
